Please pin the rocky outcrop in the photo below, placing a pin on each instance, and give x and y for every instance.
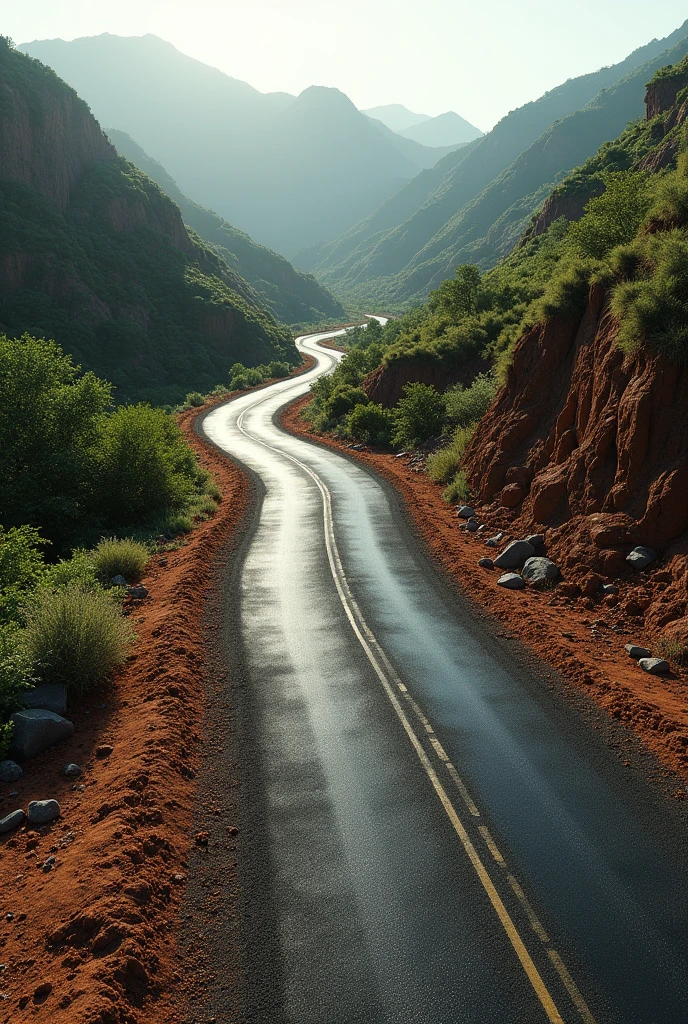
(662, 92)
(568, 205)
(48, 141)
(385, 385)
(594, 446)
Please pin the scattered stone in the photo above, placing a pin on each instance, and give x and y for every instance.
(632, 608)
(486, 563)
(104, 750)
(492, 542)
(472, 526)
(35, 730)
(40, 812)
(637, 652)
(48, 864)
(590, 584)
(14, 792)
(138, 592)
(10, 771)
(641, 557)
(48, 696)
(71, 770)
(539, 570)
(610, 588)
(465, 511)
(514, 555)
(119, 581)
(536, 539)
(511, 580)
(655, 666)
(12, 821)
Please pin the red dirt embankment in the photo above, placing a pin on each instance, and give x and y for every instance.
(582, 638)
(91, 938)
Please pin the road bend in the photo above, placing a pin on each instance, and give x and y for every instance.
(437, 839)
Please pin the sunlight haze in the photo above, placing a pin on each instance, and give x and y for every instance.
(431, 57)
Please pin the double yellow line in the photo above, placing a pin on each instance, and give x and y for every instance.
(397, 692)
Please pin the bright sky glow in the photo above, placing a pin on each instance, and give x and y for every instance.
(481, 59)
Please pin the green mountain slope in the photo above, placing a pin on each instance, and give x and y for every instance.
(293, 297)
(371, 268)
(265, 162)
(95, 255)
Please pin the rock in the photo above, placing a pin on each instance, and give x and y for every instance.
(610, 588)
(486, 563)
(512, 581)
(514, 555)
(465, 511)
(104, 750)
(12, 821)
(641, 557)
(590, 584)
(119, 581)
(472, 526)
(492, 542)
(40, 812)
(539, 570)
(49, 696)
(71, 770)
(35, 730)
(536, 539)
(632, 608)
(138, 592)
(637, 652)
(10, 771)
(655, 666)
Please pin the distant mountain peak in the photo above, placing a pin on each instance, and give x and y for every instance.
(396, 116)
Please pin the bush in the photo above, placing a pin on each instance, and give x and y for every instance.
(418, 416)
(278, 369)
(468, 405)
(673, 649)
(370, 424)
(458, 489)
(342, 400)
(114, 557)
(444, 464)
(145, 468)
(77, 571)
(76, 637)
(14, 678)
(21, 567)
(194, 399)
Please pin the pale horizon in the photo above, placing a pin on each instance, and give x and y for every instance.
(448, 59)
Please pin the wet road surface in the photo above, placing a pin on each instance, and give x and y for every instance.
(441, 841)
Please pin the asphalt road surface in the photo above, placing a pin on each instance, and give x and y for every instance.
(441, 839)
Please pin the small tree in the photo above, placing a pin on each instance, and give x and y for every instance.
(418, 416)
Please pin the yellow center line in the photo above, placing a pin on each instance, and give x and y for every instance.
(571, 987)
(530, 913)
(491, 845)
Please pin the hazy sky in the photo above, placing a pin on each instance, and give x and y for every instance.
(481, 58)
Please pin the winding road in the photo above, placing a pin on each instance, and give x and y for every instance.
(436, 837)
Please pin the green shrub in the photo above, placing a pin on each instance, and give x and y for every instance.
(77, 571)
(468, 405)
(145, 467)
(673, 649)
(205, 506)
(14, 678)
(458, 489)
(342, 400)
(614, 217)
(194, 399)
(418, 416)
(115, 557)
(370, 424)
(21, 567)
(277, 369)
(76, 637)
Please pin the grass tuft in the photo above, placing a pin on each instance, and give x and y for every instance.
(114, 557)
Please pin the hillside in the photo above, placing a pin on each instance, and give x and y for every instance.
(395, 263)
(256, 159)
(291, 296)
(396, 116)
(447, 129)
(94, 255)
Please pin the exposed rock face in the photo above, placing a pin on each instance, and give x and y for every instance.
(385, 385)
(49, 148)
(571, 207)
(598, 444)
(661, 94)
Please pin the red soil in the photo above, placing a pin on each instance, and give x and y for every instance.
(571, 632)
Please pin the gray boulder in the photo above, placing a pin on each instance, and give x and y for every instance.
(40, 812)
(492, 542)
(465, 511)
(10, 771)
(12, 821)
(119, 581)
(35, 730)
(637, 652)
(48, 696)
(655, 666)
(472, 526)
(71, 770)
(138, 592)
(641, 557)
(539, 570)
(514, 555)
(486, 563)
(536, 539)
(512, 581)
